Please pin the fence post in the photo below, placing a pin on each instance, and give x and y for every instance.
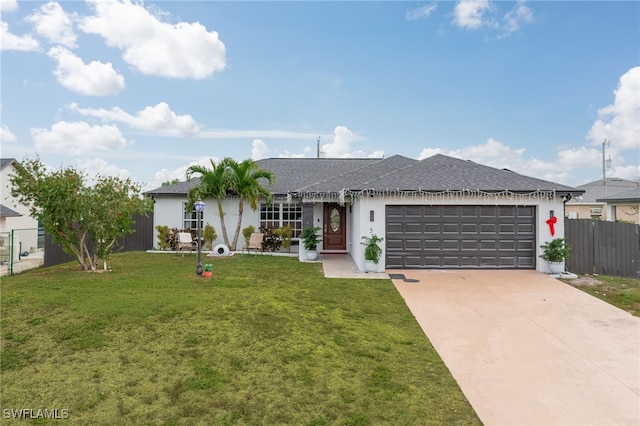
(11, 251)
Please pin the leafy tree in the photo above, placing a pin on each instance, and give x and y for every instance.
(85, 220)
(170, 182)
(244, 180)
(213, 184)
(229, 176)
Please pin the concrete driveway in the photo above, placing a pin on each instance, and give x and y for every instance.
(527, 349)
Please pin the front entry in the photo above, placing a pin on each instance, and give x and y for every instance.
(335, 229)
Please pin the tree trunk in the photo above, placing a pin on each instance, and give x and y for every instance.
(222, 225)
(238, 225)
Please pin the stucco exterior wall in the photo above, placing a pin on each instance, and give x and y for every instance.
(363, 207)
(170, 211)
(29, 238)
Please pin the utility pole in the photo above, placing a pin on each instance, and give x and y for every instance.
(318, 148)
(605, 164)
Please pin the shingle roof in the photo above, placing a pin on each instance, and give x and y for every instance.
(630, 196)
(180, 188)
(7, 212)
(294, 174)
(4, 162)
(436, 173)
(595, 190)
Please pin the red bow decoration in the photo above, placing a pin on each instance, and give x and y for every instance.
(552, 225)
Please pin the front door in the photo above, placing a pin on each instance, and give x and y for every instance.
(335, 232)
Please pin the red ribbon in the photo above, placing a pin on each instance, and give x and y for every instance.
(552, 225)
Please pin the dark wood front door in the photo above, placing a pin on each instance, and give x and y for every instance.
(335, 229)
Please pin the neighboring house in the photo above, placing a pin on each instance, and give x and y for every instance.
(623, 206)
(440, 212)
(592, 204)
(13, 215)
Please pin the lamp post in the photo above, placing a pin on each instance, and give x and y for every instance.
(199, 205)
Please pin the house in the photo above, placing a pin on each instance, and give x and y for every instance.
(13, 215)
(440, 212)
(594, 204)
(623, 206)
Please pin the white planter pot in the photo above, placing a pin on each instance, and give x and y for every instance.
(556, 267)
(370, 266)
(312, 254)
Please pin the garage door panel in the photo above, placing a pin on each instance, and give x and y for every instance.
(394, 227)
(450, 228)
(415, 228)
(461, 237)
(413, 244)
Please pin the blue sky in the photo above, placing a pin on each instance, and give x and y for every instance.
(143, 90)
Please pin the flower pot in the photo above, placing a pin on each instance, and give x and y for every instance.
(312, 254)
(370, 266)
(207, 274)
(556, 267)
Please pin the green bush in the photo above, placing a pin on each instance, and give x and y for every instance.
(209, 236)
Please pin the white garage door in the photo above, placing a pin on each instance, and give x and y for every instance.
(460, 237)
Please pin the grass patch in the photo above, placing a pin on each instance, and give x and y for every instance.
(267, 341)
(618, 291)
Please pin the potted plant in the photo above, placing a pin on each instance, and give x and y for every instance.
(208, 270)
(310, 240)
(372, 251)
(209, 235)
(556, 252)
(246, 233)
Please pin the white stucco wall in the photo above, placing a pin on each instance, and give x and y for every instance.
(364, 205)
(28, 238)
(169, 211)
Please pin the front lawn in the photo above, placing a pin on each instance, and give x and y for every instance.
(267, 341)
(618, 291)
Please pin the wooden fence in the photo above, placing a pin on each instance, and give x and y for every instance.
(605, 248)
(142, 239)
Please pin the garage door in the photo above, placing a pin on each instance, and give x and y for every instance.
(460, 237)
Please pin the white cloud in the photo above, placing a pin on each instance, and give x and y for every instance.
(6, 136)
(421, 12)
(158, 119)
(620, 121)
(78, 138)
(259, 150)
(93, 79)
(477, 14)
(153, 47)
(8, 5)
(97, 166)
(520, 14)
(52, 23)
(341, 145)
(626, 172)
(495, 154)
(254, 134)
(469, 14)
(8, 41)
(180, 172)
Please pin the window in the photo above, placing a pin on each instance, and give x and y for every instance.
(278, 215)
(190, 219)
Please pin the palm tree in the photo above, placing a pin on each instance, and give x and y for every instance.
(214, 183)
(244, 180)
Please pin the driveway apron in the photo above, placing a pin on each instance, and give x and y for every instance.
(527, 349)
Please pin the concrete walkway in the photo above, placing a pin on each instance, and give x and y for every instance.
(527, 349)
(342, 266)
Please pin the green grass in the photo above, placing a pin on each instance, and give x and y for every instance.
(618, 291)
(267, 341)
